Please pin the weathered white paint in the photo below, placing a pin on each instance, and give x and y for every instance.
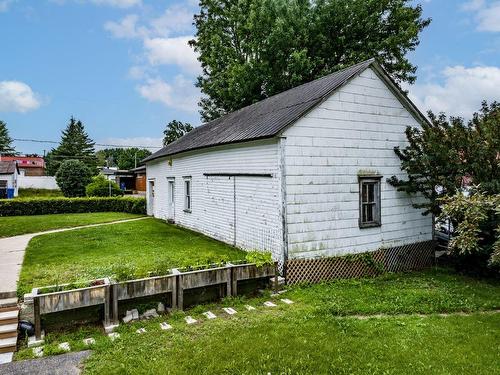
(37, 182)
(355, 129)
(250, 219)
(311, 202)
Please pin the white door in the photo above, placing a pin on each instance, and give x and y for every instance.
(171, 200)
(151, 200)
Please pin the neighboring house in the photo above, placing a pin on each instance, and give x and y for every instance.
(132, 181)
(140, 179)
(301, 174)
(28, 165)
(8, 179)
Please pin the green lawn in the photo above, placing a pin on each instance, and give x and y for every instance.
(125, 251)
(15, 225)
(39, 193)
(313, 335)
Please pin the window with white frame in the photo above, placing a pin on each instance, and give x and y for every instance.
(187, 194)
(369, 201)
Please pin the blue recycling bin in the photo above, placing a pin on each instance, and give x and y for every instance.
(10, 193)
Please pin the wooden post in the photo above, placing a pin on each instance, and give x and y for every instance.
(234, 281)
(229, 281)
(180, 294)
(276, 277)
(174, 292)
(36, 312)
(107, 305)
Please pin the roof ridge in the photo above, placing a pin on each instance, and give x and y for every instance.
(262, 119)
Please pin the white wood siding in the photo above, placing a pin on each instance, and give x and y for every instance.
(258, 200)
(355, 129)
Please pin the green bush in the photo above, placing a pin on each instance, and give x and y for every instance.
(72, 177)
(100, 187)
(44, 206)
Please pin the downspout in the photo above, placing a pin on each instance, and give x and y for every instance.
(234, 210)
(282, 168)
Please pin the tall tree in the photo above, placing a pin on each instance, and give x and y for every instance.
(174, 130)
(75, 144)
(123, 158)
(447, 154)
(252, 49)
(72, 177)
(6, 147)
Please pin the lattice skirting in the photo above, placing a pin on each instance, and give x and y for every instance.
(396, 259)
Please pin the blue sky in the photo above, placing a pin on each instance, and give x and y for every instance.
(124, 69)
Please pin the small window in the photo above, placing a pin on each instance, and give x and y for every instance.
(187, 194)
(369, 202)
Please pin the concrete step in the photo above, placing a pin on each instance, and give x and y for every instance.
(6, 357)
(8, 302)
(8, 294)
(8, 344)
(9, 317)
(8, 330)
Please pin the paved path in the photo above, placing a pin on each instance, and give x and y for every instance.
(63, 364)
(12, 253)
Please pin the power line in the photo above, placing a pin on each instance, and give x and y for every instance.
(95, 144)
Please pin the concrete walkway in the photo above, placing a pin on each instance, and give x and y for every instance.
(63, 364)
(12, 254)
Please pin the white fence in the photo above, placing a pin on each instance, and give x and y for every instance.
(37, 182)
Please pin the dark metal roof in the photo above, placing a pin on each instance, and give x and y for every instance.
(264, 119)
(8, 167)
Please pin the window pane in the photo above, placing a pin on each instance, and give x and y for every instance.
(371, 192)
(364, 194)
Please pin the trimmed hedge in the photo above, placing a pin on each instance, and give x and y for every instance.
(44, 206)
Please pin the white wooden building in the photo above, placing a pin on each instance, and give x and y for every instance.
(301, 174)
(9, 173)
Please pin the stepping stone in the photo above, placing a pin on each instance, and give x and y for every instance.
(113, 336)
(269, 304)
(190, 320)
(141, 330)
(38, 351)
(89, 341)
(64, 346)
(229, 310)
(165, 326)
(249, 308)
(209, 315)
(287, 301)
(149, 314)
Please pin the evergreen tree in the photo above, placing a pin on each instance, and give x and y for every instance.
(75, 144)
(6, 147)
(174, 130)
(252, 49)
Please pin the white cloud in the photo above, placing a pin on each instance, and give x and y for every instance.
(111, 3)
(17, 96)
(473, 5)
(4, 5)
(146, 142)
(126, 28)
(172, 51)
(462, 91)
(181, 94)
(487, 15)
(118, 3)
(175, 19)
